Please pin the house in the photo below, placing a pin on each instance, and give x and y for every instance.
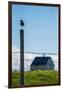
(42, 63)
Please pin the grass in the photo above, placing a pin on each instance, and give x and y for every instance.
(15, 79)
(37, 77)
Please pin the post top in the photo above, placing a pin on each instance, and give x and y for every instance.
(21, 22)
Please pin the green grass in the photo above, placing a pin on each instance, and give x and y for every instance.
(37, 77)
(15, 79)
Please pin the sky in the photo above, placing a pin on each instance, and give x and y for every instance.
(40, 30)
(40, 33)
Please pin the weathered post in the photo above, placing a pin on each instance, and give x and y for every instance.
(21, 54)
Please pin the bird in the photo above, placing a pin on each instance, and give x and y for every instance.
(21, 22)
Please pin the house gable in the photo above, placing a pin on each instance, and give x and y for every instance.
(42, 63)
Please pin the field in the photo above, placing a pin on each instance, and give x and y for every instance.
(38, 77)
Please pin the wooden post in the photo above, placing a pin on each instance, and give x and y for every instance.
(22, 58)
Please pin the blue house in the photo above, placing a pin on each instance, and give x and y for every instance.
(42, 63)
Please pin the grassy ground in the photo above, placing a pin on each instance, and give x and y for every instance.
(38, 77)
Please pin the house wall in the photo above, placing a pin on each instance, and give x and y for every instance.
(50, 64)
(38, 67)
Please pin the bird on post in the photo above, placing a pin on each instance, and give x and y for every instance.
(21, 23)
